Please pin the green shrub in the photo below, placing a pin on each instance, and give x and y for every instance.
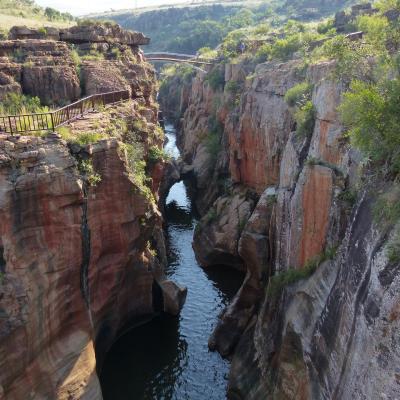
(213, 145)
(352, 57)
(15, 103)
(371, 114)
(349, 196)
(87, 169)
(386, 209)
(232, 87)
(157, 154)
(116, 53)
(211, 215)
(42, 30)
(208, 53)
(264, 52)
(283, 49)
(305, 119)
(76, 58)
(19, 55)
(299, 94)
(242, 225)
(326, 27)
(376, 29)
(216, 78)
(393, 248)
(136, 166)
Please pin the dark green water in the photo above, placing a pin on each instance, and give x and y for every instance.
(168, 358)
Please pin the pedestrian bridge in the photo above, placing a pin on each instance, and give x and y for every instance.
(178, 58)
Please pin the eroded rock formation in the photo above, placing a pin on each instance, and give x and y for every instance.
(326, 335)
(44, 63)
(82, 245)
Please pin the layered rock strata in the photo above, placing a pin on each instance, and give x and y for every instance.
(291, 340)
(46, 63)
(82, 245)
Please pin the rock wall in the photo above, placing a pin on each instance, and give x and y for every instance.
(82, 245)
(301, 340)
(77, 265)
(45, 63)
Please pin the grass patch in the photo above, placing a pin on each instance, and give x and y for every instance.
(81, 138)
(278, 282)
(133, 154)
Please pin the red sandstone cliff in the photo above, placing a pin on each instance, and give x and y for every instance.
(80, 258)
(299, 341)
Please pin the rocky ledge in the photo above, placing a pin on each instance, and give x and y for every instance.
(85, 59)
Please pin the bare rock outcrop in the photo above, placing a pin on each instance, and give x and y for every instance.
(42, 68)
(217, 235)
(103, 33)
(45, 63)
(82, 33)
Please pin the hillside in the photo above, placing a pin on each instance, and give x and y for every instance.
(191, 27)
(27, 12)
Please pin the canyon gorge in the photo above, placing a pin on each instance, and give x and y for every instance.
(242, 252)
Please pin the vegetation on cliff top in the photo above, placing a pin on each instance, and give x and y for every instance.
(27, 12)
(187, 29)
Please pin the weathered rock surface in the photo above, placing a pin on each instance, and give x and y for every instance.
(42, 68)
(330, 335)
(84, 33)
(77, 266)
(103, 33)
(253, 248)
(216, 237)
(78, 261)
(41, 62)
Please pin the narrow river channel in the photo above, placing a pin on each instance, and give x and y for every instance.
(168, 358)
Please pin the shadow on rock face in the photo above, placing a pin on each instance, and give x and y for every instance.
(144, 352)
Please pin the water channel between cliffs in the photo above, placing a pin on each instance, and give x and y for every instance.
(168, 358)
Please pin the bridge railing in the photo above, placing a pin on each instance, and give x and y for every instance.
(15, 124)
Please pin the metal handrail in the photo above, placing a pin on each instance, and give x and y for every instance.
(21, 123)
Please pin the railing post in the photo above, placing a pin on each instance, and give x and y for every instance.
(9, 122)
(52, 121)
(68, 117)
(81, 108)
